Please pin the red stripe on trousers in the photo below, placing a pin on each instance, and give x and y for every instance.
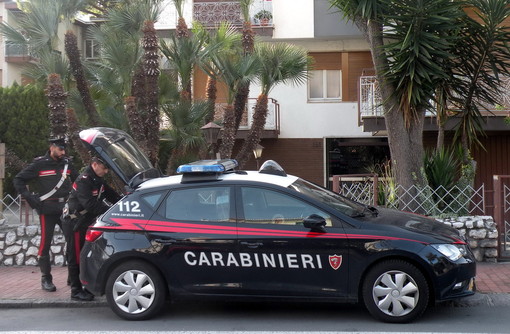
(43, 234)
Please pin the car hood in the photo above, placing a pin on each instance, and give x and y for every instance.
(417, 224)
(121, 153)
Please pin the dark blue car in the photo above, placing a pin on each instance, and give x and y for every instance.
(216, 231)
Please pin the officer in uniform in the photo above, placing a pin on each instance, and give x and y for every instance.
(52, 175)
(90, 197)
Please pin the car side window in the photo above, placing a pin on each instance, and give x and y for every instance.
(199, 204)
(271, 207)
(152, 199)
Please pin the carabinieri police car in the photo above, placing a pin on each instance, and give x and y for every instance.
(215, 230)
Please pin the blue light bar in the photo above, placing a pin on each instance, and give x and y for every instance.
(208, 166)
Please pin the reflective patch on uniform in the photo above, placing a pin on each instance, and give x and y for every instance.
(47, 172)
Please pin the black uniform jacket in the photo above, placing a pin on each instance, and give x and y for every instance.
(45, 173)
(88, 193)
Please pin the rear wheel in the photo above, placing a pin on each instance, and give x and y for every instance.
(135, 290)
(395, 291)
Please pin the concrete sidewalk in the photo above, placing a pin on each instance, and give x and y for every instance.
(20, 287)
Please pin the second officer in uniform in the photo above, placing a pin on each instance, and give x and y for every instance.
(89, 198)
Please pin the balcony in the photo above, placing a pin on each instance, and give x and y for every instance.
(18, 53)
(212, 13)
(272, 127)
(371, 113)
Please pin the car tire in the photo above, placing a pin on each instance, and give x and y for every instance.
(395, 291)
(135, 290)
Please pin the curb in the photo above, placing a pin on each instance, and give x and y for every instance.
(49, 303)
(478, 299)
(481, 299)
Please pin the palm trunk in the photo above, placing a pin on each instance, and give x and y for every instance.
(228, 137)
(258, 123)
(57, 104)
(74, 131)
(151, 67)
(71, 47)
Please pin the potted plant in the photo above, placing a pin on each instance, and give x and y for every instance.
(263, 17)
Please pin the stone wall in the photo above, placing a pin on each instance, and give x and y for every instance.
(19, 244)
(481, 234)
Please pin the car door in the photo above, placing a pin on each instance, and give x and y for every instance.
(287, 258)
(194, 231)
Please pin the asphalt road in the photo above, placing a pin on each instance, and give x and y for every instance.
(185, 318)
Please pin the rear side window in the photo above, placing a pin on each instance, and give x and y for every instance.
(152, 199)
(199, 204)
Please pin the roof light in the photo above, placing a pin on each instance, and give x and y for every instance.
(272, 167)
(208, 166)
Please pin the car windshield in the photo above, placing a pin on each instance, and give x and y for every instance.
(329, 198)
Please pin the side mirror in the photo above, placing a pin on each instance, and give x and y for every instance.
(315, 223)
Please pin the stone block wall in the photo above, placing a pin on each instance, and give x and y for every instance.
(19, 244)
(481, 234)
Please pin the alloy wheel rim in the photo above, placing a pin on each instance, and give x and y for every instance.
(395, 293)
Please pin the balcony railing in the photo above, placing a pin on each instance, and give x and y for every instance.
(15, 52)
(370, 100)
(212, 13)
(272, 120)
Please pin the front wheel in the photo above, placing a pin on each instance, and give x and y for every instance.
(395, 291)
(135, 291)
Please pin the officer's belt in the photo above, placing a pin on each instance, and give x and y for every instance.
(78, 214)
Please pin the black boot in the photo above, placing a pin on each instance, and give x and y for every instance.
(81, 295)
(47, 284)
(46, 279)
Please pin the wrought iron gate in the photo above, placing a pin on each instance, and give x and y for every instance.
(502, 213)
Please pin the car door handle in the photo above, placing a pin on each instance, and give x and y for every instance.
(165, 241)
(252, 244)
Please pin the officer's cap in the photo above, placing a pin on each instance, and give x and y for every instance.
(98, 159)
(60, 142)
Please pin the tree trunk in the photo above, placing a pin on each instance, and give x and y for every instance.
(259, 121)
(74, 132)
(71, 47)
(151, 67)
(405, 141)
(228, 136)
(57, 104)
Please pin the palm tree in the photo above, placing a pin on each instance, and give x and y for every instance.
(279, 63)
(186, 138)
(57, 105)
(73, 53)
(151, 71)
(221, 41)
(248, 42)
(233, 69)
(407, 68)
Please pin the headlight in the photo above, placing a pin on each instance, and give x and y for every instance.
(451, 251)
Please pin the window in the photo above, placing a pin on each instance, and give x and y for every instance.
(325, 85)
(91, 49)
(271, 207)
(199, 204)
(153, 198)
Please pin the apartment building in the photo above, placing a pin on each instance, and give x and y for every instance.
(331, 125)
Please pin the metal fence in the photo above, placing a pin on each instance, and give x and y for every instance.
(370, 190)
(15, 210)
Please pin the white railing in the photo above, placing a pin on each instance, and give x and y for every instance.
(459, 200)
(370, 100)
(14, 210)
